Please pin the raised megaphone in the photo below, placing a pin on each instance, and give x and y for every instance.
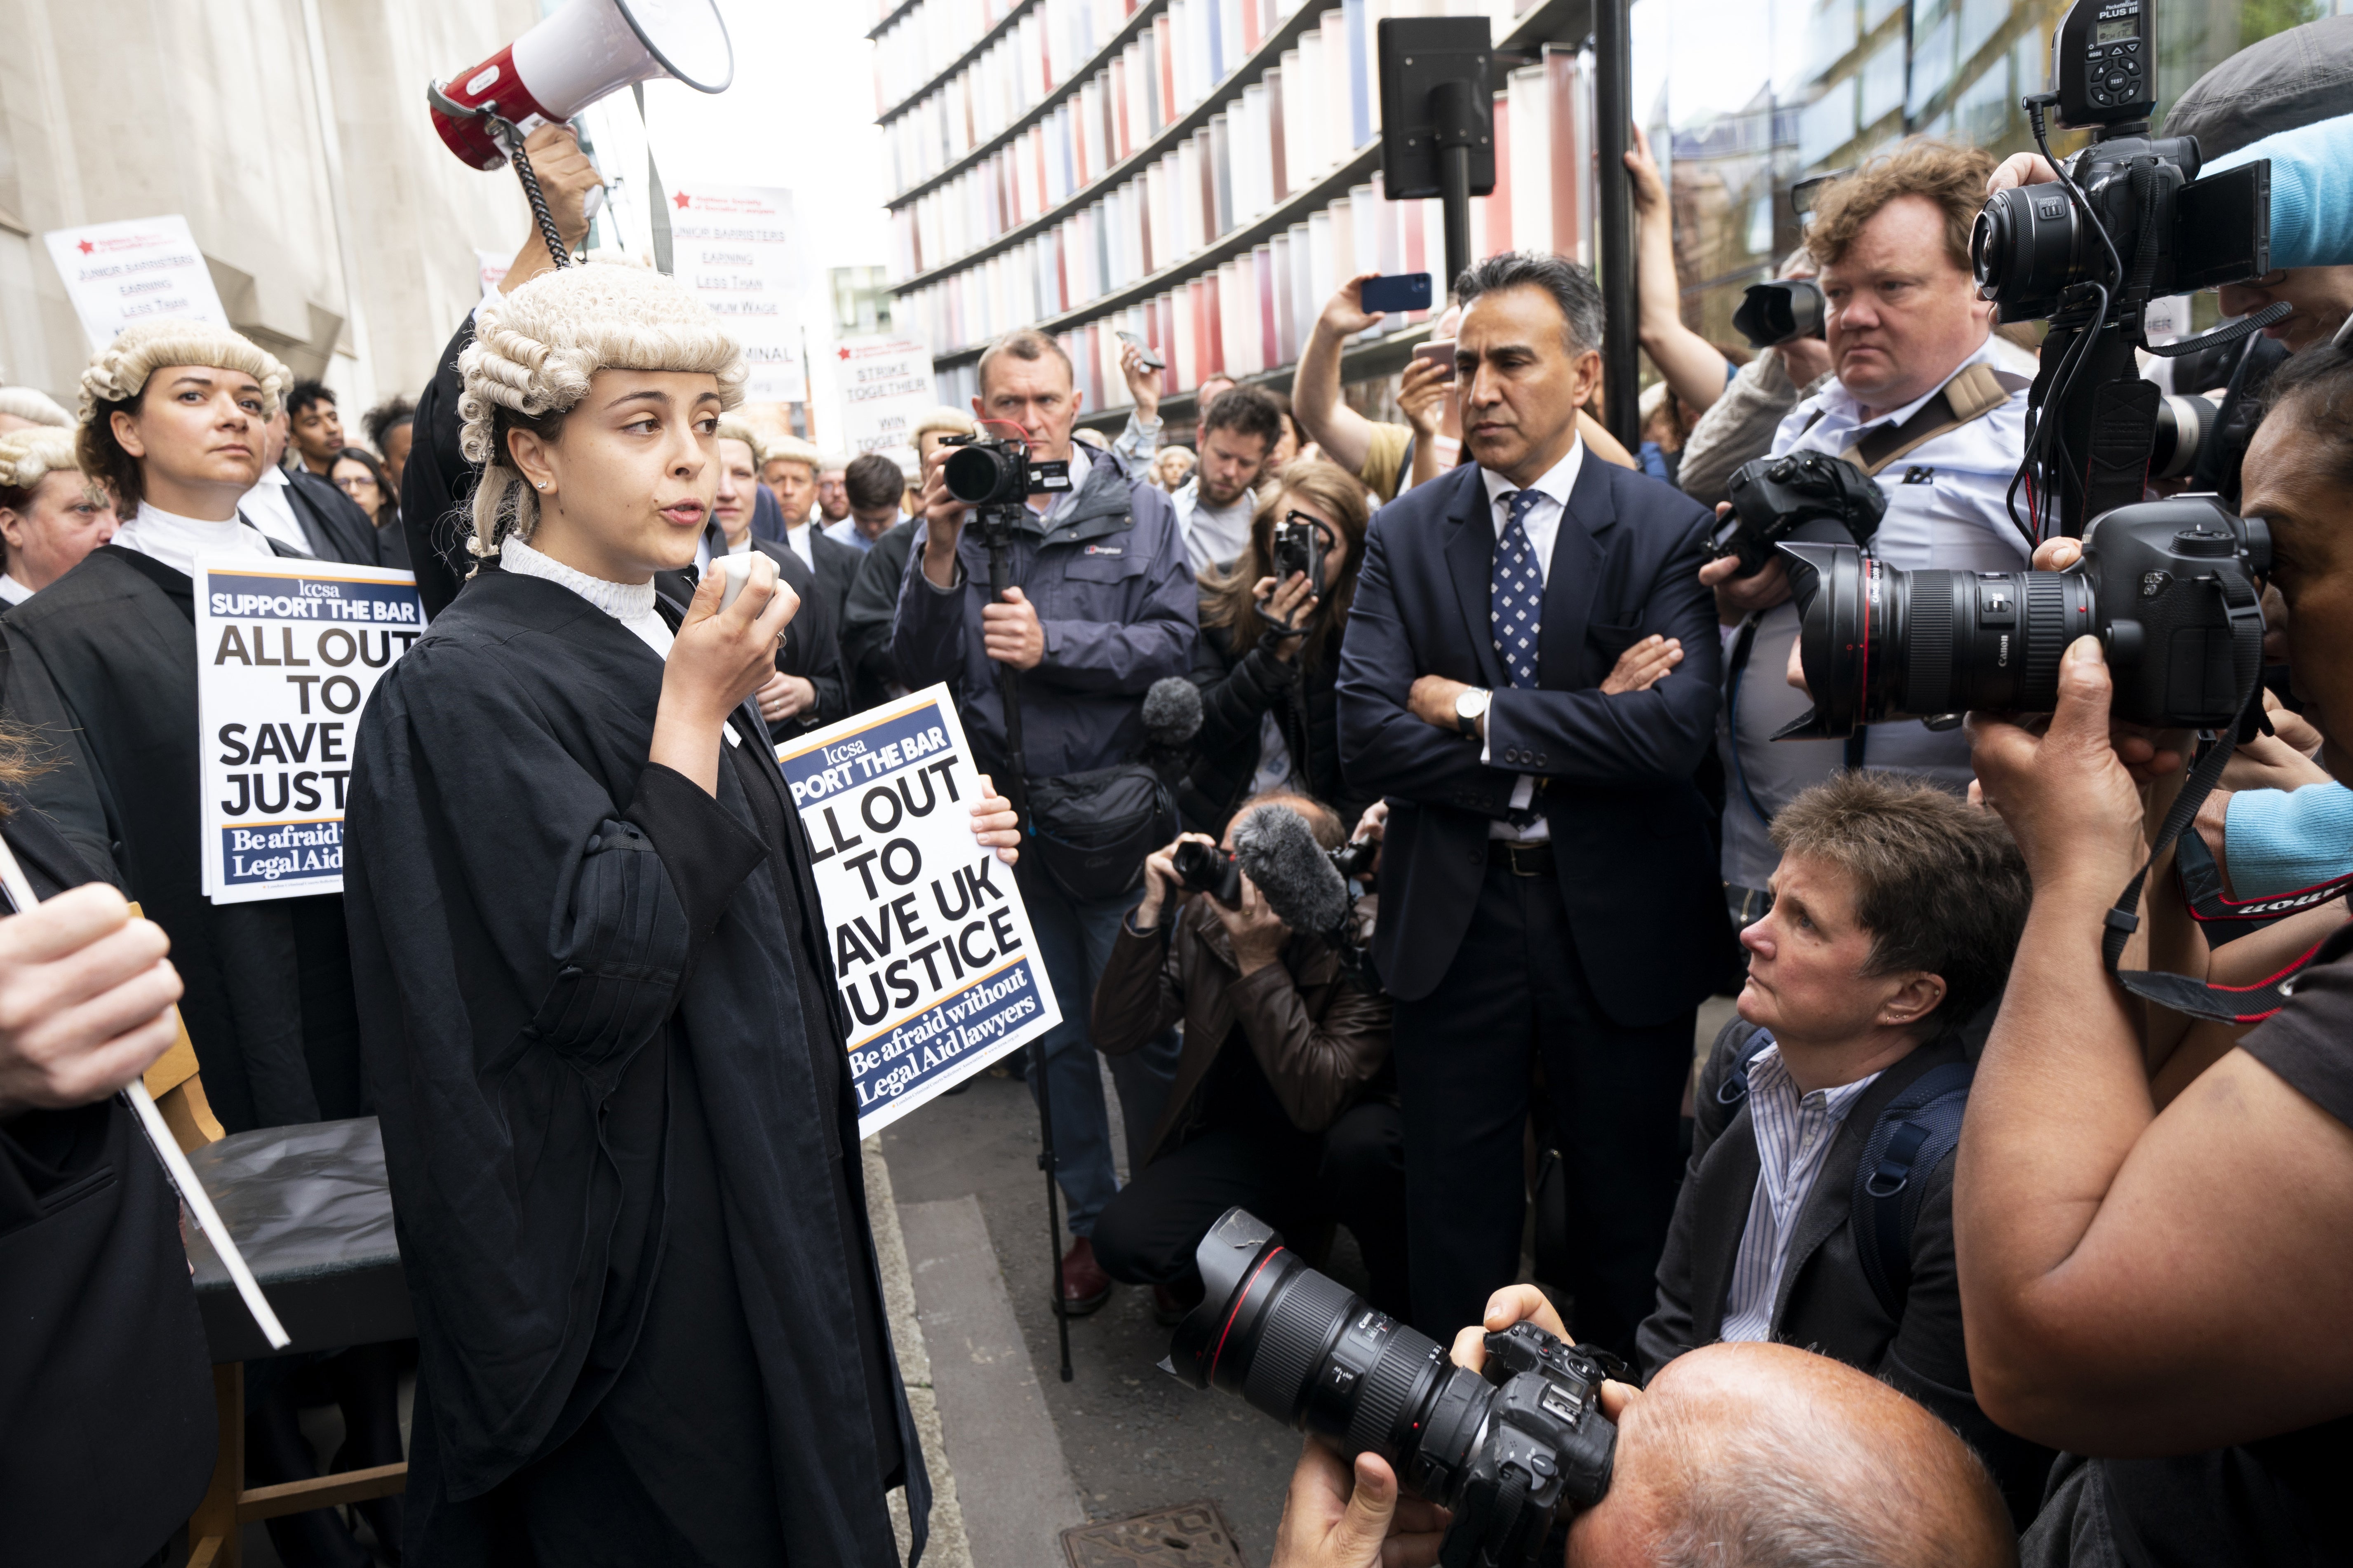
(571, 59)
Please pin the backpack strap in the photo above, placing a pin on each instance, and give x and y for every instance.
(1732, 1092)
(1915, 1134)
(1971, 394)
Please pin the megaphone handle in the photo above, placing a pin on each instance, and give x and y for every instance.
(511, 138)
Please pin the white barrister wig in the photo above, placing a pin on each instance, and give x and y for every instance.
(28, 456)
(793, 449)
(534, 349)
(735, 427)
(27, 403)
(119, 371)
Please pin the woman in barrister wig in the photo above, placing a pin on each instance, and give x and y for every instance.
(103, 671)
(601, 1022)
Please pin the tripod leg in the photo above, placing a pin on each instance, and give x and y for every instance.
(1053, 1199)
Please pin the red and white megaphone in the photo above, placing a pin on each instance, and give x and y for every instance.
(575, 56)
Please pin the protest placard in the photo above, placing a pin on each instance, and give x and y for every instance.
(737, 248)
(886, 386)
(288, 653)
(139, 269)
(931, 944)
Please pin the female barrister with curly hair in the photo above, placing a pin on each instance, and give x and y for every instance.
(602, 1026)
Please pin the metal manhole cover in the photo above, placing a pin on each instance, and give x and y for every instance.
(1186, 1535)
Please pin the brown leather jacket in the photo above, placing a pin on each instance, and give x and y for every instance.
(1322, 1038)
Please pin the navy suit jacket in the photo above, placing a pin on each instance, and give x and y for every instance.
(1631, 836)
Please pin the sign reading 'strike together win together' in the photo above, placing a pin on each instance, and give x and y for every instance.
(931, 944)
(288, 653)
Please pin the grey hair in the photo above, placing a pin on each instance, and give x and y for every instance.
(1797, 1493)
(1572, 289)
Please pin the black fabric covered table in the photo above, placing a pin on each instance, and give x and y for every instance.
(308, 1208)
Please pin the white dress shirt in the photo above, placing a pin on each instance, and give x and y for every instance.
(13, 592)
(177, 541)
(847, 532)
(799, 542)
(273, 512)
(631, 604)
(1793, 1133)
(1948, 503)
(1542, 524)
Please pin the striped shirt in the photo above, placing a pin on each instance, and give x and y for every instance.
(1793, 1133)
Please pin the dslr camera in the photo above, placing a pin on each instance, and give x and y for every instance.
(994, 474)
(1513, 1453)
(2167, 587)
(1799, 495)
(1299, 547)
(1206, 869)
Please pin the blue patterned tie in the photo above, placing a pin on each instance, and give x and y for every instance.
(1516, 595)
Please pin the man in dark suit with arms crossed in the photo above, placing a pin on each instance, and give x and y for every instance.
(1547, 881)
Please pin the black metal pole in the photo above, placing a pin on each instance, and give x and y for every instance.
(1613, 63)
(1016, 787)
(1452, 114)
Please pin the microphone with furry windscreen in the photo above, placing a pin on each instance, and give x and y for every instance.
(1278, 851)
(1172, 716)
(1172, 711)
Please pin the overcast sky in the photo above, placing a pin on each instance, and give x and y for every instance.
(800, 114)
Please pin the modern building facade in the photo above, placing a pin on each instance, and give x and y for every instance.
(1202, 173)
(292, 134)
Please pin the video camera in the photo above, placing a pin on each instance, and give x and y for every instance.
(1512, 1453)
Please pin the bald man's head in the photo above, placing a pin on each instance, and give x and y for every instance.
(1759, 1456)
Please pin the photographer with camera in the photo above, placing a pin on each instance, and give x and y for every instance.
(1921, 407)
(1737, 1456)
(1896, 910)
(2164, 1290)
(1101, 605)
(1284, 1101)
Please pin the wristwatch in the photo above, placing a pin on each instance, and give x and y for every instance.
(1470, 707)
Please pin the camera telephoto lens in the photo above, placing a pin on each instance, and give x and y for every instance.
(1878, 644)
(2171, 588)
(1206, 869)
(1508, 1452)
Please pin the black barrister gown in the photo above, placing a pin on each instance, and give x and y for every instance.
(607, 1052)
(105, 1391)
(104, 669)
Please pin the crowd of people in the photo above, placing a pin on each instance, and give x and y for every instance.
(1941, 1251)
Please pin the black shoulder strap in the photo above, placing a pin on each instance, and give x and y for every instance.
(1913, 1135)
(2224, 917)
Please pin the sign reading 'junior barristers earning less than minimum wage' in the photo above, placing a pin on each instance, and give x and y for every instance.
(288, 654)
(931, 944)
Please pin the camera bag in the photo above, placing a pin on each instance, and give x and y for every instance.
(1089, 832)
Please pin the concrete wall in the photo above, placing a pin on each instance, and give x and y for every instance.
(124, 109)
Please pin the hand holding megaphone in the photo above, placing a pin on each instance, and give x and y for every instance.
(490, 113)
